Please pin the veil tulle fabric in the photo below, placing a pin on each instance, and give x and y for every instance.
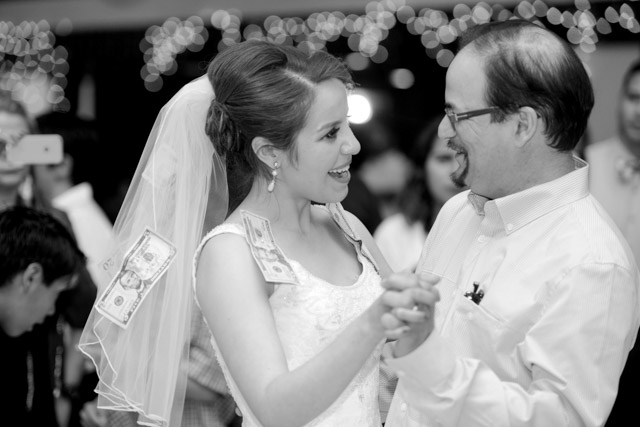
(179, 181)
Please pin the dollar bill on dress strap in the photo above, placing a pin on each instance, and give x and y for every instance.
(270, 259)
(142, 266)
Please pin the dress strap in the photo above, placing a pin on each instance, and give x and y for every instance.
(338, 214)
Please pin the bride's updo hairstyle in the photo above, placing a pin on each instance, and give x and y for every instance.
(262, 89)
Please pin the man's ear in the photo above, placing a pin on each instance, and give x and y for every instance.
(32, 277)
(265, 151)
(527, 125)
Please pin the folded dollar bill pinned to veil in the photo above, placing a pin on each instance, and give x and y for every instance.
(138, 338)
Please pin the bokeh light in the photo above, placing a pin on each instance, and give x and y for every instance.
(401, 78)
(28, 50)
(360, 109)
(32, 67)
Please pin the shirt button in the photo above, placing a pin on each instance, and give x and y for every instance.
(403, 407)
(482, 239)
(400, 373)
(470, 316)
(509, 227)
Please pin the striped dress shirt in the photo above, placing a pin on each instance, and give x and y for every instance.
(204, 369)
(547, 341)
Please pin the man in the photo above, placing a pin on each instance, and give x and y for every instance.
(538, 290)
(615, 181)
(39, 260)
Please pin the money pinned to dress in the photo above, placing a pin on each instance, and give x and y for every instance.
(142, 266)
(270, 259)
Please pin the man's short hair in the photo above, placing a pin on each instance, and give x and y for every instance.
(527, 65)
(30, 236)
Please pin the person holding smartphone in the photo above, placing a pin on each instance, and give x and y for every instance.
(65, 364)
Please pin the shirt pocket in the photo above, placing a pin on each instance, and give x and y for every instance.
(492, 330)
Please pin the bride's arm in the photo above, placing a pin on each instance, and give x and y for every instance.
(234, 298)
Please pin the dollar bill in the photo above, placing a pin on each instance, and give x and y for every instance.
(142, 266)
(269, 257)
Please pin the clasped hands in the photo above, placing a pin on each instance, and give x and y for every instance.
(410, 301)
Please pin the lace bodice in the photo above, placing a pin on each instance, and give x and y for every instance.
(308, 317)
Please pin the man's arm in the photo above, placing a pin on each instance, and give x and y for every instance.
(572, 354)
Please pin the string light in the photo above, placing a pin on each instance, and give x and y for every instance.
(32, 67)
(28, 54)
(162, 44)
(366, 33)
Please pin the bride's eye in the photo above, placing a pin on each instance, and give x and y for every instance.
(332, 133)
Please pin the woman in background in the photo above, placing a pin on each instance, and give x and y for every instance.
(401, 236)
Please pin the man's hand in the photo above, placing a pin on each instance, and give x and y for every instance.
(411, 299)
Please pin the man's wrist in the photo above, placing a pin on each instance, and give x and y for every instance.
(407, 344)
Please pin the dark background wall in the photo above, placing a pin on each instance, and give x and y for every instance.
(104, 43)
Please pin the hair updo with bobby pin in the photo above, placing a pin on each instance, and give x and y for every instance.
(262, 90)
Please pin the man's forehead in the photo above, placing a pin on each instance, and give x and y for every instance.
(465, 78)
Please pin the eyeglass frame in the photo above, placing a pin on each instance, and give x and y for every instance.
(454, 117)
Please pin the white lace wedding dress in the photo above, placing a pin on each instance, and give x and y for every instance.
(308, 317)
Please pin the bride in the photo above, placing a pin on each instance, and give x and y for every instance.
(289, 282)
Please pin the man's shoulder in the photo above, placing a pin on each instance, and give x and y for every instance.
(455, 211)
(602, 241)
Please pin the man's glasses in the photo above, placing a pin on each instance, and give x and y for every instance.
(454, 118)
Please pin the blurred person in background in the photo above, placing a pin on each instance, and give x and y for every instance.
(62, 330)
(381, 166)
(66, 186)
(361, 202)
(615, 183)
(39, 261)
(401, 236)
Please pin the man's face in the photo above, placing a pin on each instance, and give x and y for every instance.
(130, 280)
(478, 143)
(12, 175)
(630, 112)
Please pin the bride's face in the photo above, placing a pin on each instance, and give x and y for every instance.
(323, 149)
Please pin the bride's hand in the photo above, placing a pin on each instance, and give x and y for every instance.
(411, 300)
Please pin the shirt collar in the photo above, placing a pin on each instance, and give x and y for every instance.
(519, 209)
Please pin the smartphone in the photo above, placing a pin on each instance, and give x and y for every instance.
(44, 149)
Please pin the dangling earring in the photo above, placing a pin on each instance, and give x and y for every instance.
(274, 174)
